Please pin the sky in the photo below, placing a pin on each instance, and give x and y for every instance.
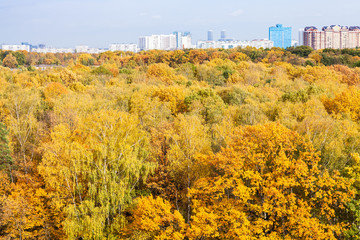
(98, 23)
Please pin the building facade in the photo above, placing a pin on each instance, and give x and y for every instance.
(281, 36)
(301, 36)
(258, 43)
(334, 36)
(53, 50)
(223, 34)
(186, 41)
(183, 40)
(210, 35)
(125, 47)
(160, 42)
(15, 47)
(87, 49)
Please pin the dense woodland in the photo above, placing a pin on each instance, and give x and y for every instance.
(187, 144)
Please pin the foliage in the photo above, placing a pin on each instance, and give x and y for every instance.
(5, 157)
(346, 102)
(239, 143)
(153, 219)
(96, 171)
(266, 184)
(10, 61)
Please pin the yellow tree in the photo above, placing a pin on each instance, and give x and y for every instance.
(25, 212)
(86, 59)
(53, 91)
(153, 218)
(22, 106)
(346, 102)
(266, 185)
(162, 72)
(94, 170)
(10, 61)
(173, 95)
(187, 138)
(353, 172)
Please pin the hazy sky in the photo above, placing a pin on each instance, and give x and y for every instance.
(97, 23)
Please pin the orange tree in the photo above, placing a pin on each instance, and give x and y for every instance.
(153, 218)
(266, 184)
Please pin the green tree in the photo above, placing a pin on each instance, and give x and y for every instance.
(302, 51)
(20, 57)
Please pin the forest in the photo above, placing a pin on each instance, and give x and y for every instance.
(193, 144)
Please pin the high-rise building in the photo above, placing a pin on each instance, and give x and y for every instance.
(178, 36)
(183, 40)
(281, 36)
(161, 42)
(301, 37)
(334, 36)
(210, 36)
(186, 40)
(223, 34)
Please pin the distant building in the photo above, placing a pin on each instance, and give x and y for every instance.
(223, 35)
(15, 47)
(27, 44)
(301, 37)
(183, 40)
(126, 47)
(186, 41)
(294, 43)
(87, 49)
(81, 49)
(210, 35)
(334, 36)
(258, 43)
(160, 42)
(53, 50)
(178, 36)
(262, 43)
(281, 36)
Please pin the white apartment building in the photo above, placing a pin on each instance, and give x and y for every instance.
(186, 42)
(82, 49)
(16, 48)
(53, 50)
(86, 49)
(125, 47)
(262, 43)
(160, 42)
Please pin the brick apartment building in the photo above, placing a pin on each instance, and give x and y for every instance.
(334, 36)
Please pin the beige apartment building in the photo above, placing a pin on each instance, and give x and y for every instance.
(334, 36)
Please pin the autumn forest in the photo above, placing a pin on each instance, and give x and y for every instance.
(195, 144)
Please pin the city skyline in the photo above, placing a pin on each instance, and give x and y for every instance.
(64, 23)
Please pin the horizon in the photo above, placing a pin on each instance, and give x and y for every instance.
(99, 24)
